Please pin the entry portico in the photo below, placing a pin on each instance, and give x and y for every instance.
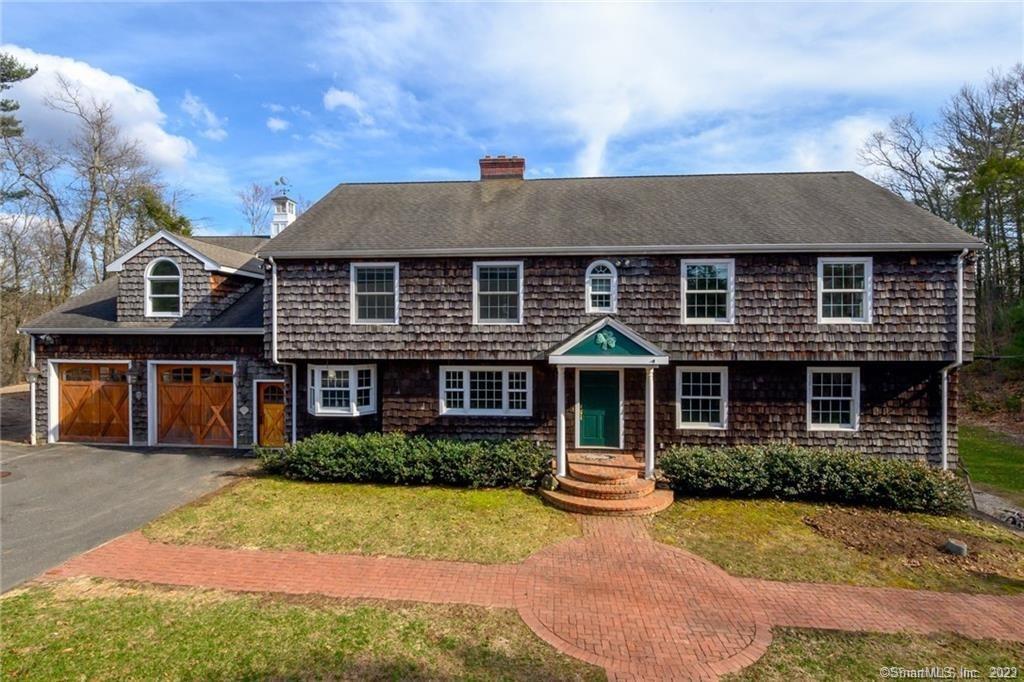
(600, 354)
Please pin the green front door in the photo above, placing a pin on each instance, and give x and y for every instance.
(599, 409)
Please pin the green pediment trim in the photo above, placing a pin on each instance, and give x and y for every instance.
(608, 342)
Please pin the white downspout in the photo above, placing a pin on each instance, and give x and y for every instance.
(959, 356)
(273, 338)
(32, 390)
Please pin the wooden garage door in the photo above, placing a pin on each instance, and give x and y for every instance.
(93, 403)
(194, 405)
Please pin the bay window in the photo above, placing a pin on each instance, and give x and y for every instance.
(342, 390)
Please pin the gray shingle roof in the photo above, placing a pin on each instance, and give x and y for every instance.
(684, 212)
(95, 310)
(215, 249)
(244, 243)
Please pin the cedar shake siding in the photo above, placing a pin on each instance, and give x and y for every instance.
(204, 294)
(914, 311)
(245, 351)
(900, 409)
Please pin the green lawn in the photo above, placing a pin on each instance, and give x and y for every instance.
(485, 526)
(994, 460)
(794, 541)
(103, 630)
(823, 655)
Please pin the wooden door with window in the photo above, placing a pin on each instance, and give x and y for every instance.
(93, 403)
(270, 413)
(195, 405)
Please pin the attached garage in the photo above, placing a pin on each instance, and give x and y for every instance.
(195, 404)
(91, 402)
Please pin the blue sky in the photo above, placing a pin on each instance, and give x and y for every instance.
(223, 94)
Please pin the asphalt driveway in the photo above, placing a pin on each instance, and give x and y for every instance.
(61, 500)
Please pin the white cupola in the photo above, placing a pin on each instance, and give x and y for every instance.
(284, 213)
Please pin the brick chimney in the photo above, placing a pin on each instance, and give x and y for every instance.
(502, 167)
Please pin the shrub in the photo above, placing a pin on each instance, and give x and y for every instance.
(814, 474)
(397, 458)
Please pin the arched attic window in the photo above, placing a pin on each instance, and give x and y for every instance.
(163, 289)
(602, 287)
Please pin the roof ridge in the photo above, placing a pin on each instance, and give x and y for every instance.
(600, 177)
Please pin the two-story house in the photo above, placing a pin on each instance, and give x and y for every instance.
(620, 314)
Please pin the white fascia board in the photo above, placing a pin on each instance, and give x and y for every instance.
(629, 250)
(146, 330)
(208, 263)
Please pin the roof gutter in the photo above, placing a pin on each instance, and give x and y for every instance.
(273, 338)
(624, 250)
(944, 372)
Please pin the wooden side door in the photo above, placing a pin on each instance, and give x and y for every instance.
(270, 413)
(93, 405)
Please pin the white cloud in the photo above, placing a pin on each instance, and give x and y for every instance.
(277, 125)
(591, 75)
(136, 110)
(835, 146)
(208, 123)
(346, 99)
(274, 107)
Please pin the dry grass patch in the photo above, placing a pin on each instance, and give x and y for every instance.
(103, 630)
(797, 654)
(794, 541)
(485, 526)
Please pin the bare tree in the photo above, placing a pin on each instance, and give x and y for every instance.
(906, 161)
(255, 206)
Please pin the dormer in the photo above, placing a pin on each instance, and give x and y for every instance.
(172, 280)
(284, 213)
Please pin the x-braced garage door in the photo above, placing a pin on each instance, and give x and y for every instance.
(194, 405)
(93, 404)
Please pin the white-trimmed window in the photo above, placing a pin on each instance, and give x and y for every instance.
(498, 292)
(702, 397)
(844, 290)
(708, 288)
(833, 398)
(342, 390)
(163, 288)
(475, 390)
(374, 289)
(602, 287)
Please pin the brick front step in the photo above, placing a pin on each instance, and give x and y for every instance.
(636, 487)
(648, 504)
(592, 473)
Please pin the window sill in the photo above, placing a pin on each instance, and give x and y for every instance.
(701, 427)
(481, 323)
(836, 320)
(483, 413)
(382, 323)
(708, 321)
(832, 429)
(346, 414)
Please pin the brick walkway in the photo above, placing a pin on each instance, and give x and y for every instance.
(614, 597)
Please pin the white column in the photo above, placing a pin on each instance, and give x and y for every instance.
(649, 428)
(560, 425)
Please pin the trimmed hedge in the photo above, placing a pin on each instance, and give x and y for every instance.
(397, 458)
(814, 474)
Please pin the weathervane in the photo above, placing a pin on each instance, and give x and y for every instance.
(282, 182)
